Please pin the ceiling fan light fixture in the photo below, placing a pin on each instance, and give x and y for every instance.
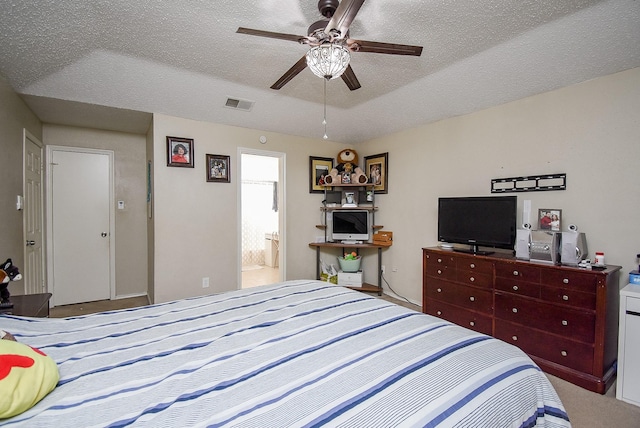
(328, 60)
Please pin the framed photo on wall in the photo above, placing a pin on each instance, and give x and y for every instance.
(377, 168)
(319, 168)
(218, 168)
(550, 219)
(180, 152)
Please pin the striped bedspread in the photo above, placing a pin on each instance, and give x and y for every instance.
(298, 353)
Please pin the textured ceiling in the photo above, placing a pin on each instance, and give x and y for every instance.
(184, 58)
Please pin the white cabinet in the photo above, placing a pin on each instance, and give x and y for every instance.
(628, 388)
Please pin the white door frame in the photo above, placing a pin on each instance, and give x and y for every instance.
(26, 135)
(282, 249)
(112, 210)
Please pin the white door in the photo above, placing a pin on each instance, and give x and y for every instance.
(33, 269)
(80, 195)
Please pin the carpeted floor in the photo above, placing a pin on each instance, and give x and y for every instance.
(586, 409)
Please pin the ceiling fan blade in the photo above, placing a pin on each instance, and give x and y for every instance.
(343, 16)
(291, 73)
(270, 34)
(384, 48)
(349, 77)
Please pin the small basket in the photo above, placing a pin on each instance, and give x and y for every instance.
(350, 265)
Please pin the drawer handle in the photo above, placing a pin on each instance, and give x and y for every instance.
(515, 288)
(439, 312)
(472, 265)
(439, 272)
(472, 279)
(515, 338)
(439, 260)
(516, 273)
(515, 310)
(473, 299)
(565, 322)
(472, 323)
(565, 297)
(439, 290)
(566, 280)
(564, 353)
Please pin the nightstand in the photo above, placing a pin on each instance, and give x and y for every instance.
(29, 305)
(628, 388)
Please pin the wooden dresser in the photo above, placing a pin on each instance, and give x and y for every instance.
(564, 318)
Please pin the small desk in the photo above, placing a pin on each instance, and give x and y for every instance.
(29, 305)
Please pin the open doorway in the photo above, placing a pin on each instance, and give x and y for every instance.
(262, 213)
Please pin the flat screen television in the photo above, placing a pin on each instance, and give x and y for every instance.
(487, 221)
(350, 225)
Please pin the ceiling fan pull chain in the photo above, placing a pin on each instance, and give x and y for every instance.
(324, 120)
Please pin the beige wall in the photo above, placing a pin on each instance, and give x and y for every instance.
(196, 222)
(590, 131)
(15, 116)
(130, 187)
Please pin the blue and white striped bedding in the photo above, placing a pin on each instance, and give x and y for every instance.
(299, 353)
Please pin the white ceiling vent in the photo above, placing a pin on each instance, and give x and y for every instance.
(238, 104)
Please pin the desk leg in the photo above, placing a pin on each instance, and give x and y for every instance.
(379, 271)
(318, 263)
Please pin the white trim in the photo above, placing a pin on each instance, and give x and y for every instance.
(282, 212)
(112, 211)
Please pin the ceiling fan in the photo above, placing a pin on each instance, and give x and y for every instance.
(330, 37)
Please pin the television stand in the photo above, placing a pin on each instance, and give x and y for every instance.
(473, 249)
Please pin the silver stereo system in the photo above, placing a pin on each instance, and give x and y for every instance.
(545, 247)
(567, 248)
(574, 247)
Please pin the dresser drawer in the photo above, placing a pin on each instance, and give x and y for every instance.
(576, 355)
(474, 265)
(567, 322)
(443, 271)
(512, 285)
(472, 320)
(518, 271)
(475, 278)
(460, 295)
(568, 279)
(441, 260)
(569, 297)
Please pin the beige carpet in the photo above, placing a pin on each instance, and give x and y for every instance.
(586, 409)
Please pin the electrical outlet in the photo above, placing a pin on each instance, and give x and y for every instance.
(205, 282)
(382, 268)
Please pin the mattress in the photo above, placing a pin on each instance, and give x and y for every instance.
(298, 353)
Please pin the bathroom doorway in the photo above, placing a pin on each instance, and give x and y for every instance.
(262, 214)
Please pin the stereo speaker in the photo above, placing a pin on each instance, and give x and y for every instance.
(523, 244)
(573, 248)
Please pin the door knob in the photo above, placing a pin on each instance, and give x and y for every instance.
(31, 243)
(103, 234)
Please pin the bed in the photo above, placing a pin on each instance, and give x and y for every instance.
(297, 353)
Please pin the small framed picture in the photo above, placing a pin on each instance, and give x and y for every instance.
(218, 168)
(550, 219)
(180, 152)
(319, 168)
(377, 168)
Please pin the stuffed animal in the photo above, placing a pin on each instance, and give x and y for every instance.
(8, 272)
(347, 161)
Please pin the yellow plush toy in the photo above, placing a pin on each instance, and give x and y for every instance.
(26, 376)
